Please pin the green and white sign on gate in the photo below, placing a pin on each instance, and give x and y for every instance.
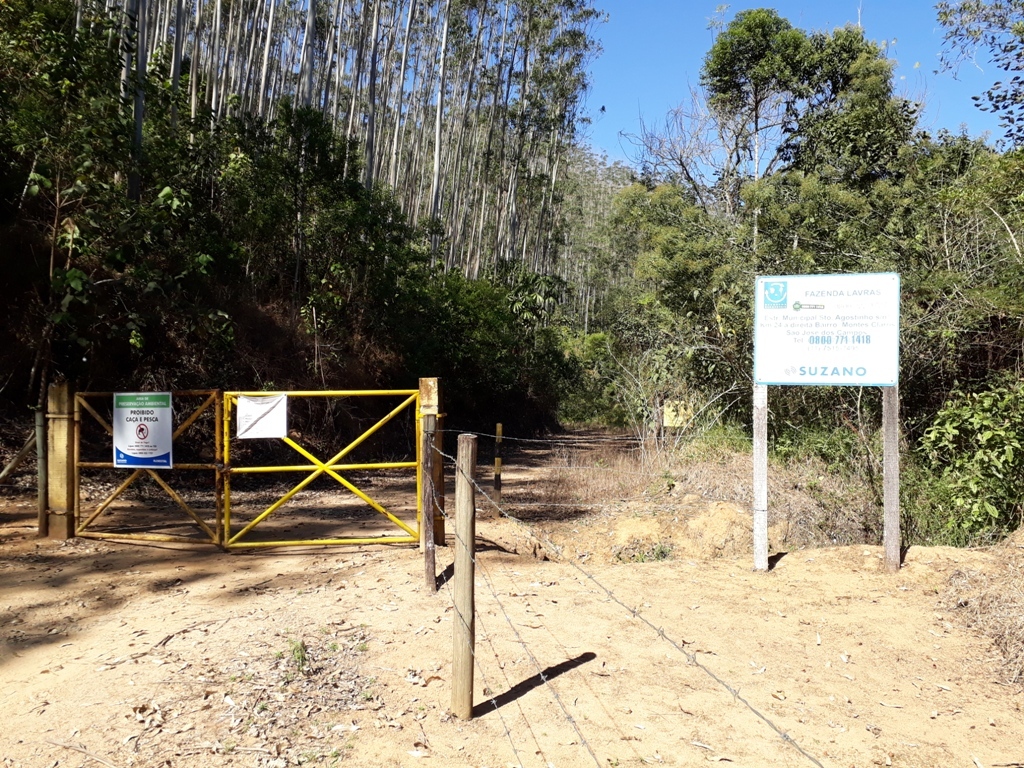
(143, 430)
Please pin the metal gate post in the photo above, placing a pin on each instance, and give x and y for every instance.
(62, 490)
(220, 437)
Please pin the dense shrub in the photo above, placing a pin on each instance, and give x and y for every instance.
(975, 448)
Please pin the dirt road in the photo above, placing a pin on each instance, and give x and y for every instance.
(149, 655)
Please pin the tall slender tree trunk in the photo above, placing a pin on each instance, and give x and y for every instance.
(134, 177)
(261, 103)
(333, 54)
(194, 68)
(371, 109)
(306, 58)
(214, 86)
(393, 165)
(435, 184)
(179, 41)
(357, 79)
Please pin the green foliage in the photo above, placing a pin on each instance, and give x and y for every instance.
(533, 297)
(299, 654)
(757, 58)
(851, 188)
(498, 365)
(592, 400)
(997, 26)
(720, 441)
(642, 551)
(837, 448)
(853, 129)
(976, 445)
(688, 306)
(253, 253)
(926, 506)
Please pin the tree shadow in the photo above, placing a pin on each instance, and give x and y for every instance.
(521, 689)
(50, 590)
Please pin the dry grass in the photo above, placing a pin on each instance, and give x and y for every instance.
(816, 506)
(993, 605)
(603, 472)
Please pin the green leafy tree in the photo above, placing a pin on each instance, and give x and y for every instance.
(997, 27)
(754, 75)
(853, 127)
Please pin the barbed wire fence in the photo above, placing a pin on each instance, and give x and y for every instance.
(466, 622)
(631, 443)
(554, 552)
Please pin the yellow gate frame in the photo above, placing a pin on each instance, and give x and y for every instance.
(316, 467)
(81, 527)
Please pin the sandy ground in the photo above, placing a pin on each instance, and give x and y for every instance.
(157, 655)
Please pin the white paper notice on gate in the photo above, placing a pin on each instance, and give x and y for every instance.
(264, 416)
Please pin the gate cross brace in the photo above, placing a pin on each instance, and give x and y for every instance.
(328, 467)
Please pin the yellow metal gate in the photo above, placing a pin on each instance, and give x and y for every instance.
(86, 517)
(207, 422)
(335, 467)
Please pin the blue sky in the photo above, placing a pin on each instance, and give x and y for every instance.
(654, 48)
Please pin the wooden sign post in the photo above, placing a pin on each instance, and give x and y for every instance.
(760, 477)
(891, 480)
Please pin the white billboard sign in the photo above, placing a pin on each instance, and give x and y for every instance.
(827, 330)
(262, 416)
(143, 430)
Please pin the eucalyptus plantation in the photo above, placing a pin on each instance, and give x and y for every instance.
(466, 108)
(188, 183)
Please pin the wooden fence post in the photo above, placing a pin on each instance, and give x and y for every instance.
(439, 469)
(497, 470)
(428, 416)
(60, 444)
(465, 621)
(427, 535)
(42, 475)
(431, 400)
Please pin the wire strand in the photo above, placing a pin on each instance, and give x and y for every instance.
(570, 442)
(555, 552)
(533, 735)
(540, 671)
(476, 661)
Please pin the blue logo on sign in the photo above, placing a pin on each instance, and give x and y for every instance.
(776, 295)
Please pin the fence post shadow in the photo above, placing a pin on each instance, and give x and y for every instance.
(446, 575)
(521, 689)
(775, 559)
